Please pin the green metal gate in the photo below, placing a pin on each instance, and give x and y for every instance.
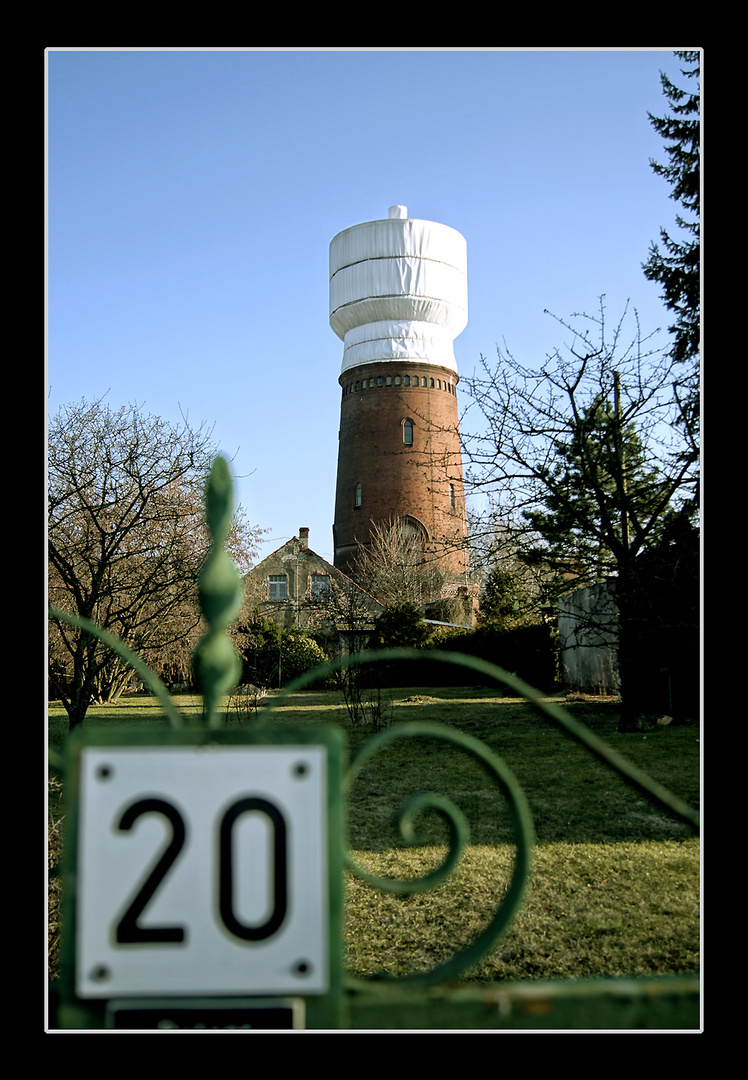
(186, 974)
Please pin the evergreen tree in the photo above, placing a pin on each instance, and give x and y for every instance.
(676, 265)
(504, 602)
(400, 626)
(600, 502)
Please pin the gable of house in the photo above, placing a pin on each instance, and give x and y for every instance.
(295, 587)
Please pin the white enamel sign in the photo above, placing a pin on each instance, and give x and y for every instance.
(202, 870)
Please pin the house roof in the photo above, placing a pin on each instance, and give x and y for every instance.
(298, 546)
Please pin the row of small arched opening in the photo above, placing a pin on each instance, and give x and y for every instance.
(375, 382)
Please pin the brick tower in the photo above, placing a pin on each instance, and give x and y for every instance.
(398, 298)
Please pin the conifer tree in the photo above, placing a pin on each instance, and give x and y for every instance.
(676, 264)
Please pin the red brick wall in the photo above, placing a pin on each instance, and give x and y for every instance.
(397, 479)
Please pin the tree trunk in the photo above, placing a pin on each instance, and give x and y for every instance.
(632, 705)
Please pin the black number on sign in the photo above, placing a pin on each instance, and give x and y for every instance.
(226, 870)
(129, 932)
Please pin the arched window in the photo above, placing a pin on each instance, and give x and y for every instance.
(357, 496)
(408, 432)
(410, 536)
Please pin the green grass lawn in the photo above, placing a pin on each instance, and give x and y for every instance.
(615, 883)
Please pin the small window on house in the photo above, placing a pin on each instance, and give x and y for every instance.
(278, 587)
(320, 587)
(357, 496)
(408, 432)
(451, 496)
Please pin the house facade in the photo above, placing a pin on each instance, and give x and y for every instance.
(296, 588)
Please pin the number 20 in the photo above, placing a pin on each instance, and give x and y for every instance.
(130, 932)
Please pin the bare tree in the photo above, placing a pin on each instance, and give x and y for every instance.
(396, 567)
(588, 454)
(126, 539)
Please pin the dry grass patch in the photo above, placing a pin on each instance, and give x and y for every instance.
(589, 910)
(615, 888)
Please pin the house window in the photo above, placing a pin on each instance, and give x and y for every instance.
(357, 496)
(277, 587)
(320, 586)
(451, 496)
(408, 432)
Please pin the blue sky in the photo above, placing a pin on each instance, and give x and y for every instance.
(192, 197)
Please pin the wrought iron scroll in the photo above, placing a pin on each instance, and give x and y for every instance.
(521, 818)
(522, 828)
(550, 710)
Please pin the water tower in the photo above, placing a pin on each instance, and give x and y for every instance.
(398, 298)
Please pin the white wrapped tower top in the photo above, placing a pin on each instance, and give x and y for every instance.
(398, 290)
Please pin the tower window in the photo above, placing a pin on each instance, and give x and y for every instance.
(357, 496)
(406, 380)
(408, 432)
(380, 381)
(451, 496)
(277, 587)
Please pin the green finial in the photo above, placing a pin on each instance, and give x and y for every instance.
(217, 665)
